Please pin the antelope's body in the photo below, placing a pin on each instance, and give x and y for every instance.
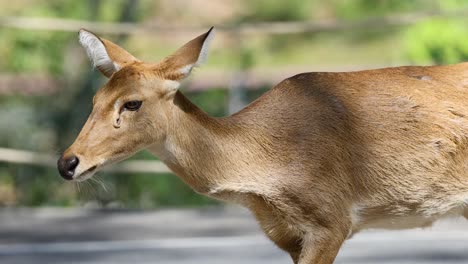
(316, 159)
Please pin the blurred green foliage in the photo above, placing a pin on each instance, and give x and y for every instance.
(49, 123)
(277, 10)
(438, 42)
(358, 9)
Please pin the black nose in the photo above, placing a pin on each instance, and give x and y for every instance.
(67, 166)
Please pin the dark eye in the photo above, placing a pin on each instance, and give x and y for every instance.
(132, 105)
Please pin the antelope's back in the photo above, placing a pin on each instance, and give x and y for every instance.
(404, 126)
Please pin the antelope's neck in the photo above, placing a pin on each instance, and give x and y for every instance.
(204, 151)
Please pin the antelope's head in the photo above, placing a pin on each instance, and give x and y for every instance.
(131, 111)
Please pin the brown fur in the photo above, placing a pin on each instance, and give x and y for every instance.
(316, 159)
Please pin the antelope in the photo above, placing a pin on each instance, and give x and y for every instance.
(316, 159)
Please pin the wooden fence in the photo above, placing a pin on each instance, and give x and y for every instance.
(48, 160)
(71, 25)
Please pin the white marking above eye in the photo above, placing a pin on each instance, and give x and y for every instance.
(116, 104)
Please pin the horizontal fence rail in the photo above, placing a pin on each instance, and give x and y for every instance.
(71, 25)
(256, 78)
(47, 160)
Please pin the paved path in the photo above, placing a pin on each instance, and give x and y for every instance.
(198, 236)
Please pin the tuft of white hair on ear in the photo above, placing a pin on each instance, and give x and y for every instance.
(186, 69)
(97, 52)
(171, 85)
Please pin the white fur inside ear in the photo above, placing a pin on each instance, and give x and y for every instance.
(202, 57)
(171, 85)
(97, 53)
(204, 50)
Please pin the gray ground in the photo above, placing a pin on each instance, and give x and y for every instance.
(228, 235)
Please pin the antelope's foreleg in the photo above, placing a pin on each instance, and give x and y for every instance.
(321, 246)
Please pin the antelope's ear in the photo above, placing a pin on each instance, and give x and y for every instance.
(105, 55)
(179, 65)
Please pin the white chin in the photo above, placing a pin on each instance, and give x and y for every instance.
(84, 176)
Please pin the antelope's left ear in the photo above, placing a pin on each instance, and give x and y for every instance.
(179, 65)
(108, 57)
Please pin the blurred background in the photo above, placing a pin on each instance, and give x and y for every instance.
(47, 84)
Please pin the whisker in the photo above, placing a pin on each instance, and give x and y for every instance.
(77, 187)
(86, 188)
(92, 188)
(100, 182)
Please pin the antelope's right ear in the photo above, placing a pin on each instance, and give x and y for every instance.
(105, 55)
